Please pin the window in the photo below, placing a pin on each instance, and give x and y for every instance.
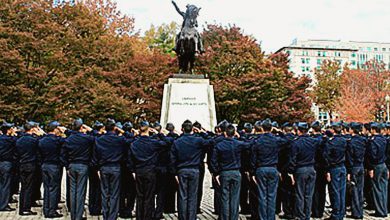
(319, 61)
(307, 60)
(368, 48)
(303, 60)
(319, 53)
(353, 62)
(383, 49)
(353, 55)
(375, 49)
(337, 54)
(303, 69)
(307, 69)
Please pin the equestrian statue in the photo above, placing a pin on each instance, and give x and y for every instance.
(188, 42)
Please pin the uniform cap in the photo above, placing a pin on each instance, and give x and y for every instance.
(144, 124)
(286, 124)
(275, 124)
(266, 123)
(53, 125)
(315, 124)
(7, 125)
(78, 123)
(336, 124)
(127, 126)
(303, 125)
(30, 124)
(119, 125)
(356, 125)
(97, 125)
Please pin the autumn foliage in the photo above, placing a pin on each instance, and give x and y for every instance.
(363, 91)
(87, 61)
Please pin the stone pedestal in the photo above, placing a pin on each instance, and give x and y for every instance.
(188, 97)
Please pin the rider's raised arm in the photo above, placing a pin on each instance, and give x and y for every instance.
(178, 9)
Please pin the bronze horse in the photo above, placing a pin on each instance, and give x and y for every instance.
(188, 41)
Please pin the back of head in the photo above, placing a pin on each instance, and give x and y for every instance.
(356, 127)
(258, 127)
(170, 127)
(52, 126)
(197, 125)
(267, 125)
(110, 124)
(230, 130)
(248, 127)
(303, 127)
(337, 127)
(223, 125)
(144, 126)
(30, 125)
(127, 126)
(316, 126)
(77, 124)
(187, 126)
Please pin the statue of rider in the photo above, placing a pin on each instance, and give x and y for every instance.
(191, 22)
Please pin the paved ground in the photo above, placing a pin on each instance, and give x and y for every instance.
(207, 208)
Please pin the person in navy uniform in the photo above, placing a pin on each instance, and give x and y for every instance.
(142, 161)
(128, 192)
(319, 196)
(186, 157)
(7, 152)
(265, 152)
(76, 155)
(108, 156)
(94, 191)
(50, 149)
(303, 151)
(334, 154)
(162, 169)
(286, 188)
(226, 162)
(355, 166)
(170, 195)
(26, 154)
(246, 135)
(377, 170)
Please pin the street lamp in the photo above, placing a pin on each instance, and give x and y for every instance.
(387, 99)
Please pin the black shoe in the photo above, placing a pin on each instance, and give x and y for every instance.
(35, 204)
(25, 213)
(286, 217)
(354, 217)
(56, 215)
(13, 201)
(378, 216)
(7, 209)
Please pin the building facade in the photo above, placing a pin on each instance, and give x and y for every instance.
(59, 2)
(307, 55)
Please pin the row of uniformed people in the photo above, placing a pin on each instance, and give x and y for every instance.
(265, 150)
(336, 157)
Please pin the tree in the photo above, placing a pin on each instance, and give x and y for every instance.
(326, 91)
(162, 37)
(248, 86)
(53, 58)
(363, 92)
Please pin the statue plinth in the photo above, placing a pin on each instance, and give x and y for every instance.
(188, 97)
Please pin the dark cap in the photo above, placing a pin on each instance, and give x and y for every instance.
(30, 124)
(286, 125)
(303, 125)
(110, 122)
(356, 126)
(375, 125)
(248, 126)
(346, 125)
(78, 123)
(119, 125)
(275, 124)
(156, 124)
(266, 123)
(97, 125)
(53, 125)
(315, 124)
(127, 126)
(336, 124)
(144, 124)
(6, 125)
(170, 127)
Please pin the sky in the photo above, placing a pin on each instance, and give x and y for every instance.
(276, 23)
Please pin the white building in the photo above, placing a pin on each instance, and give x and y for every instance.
(58, 2)
(307, 55)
